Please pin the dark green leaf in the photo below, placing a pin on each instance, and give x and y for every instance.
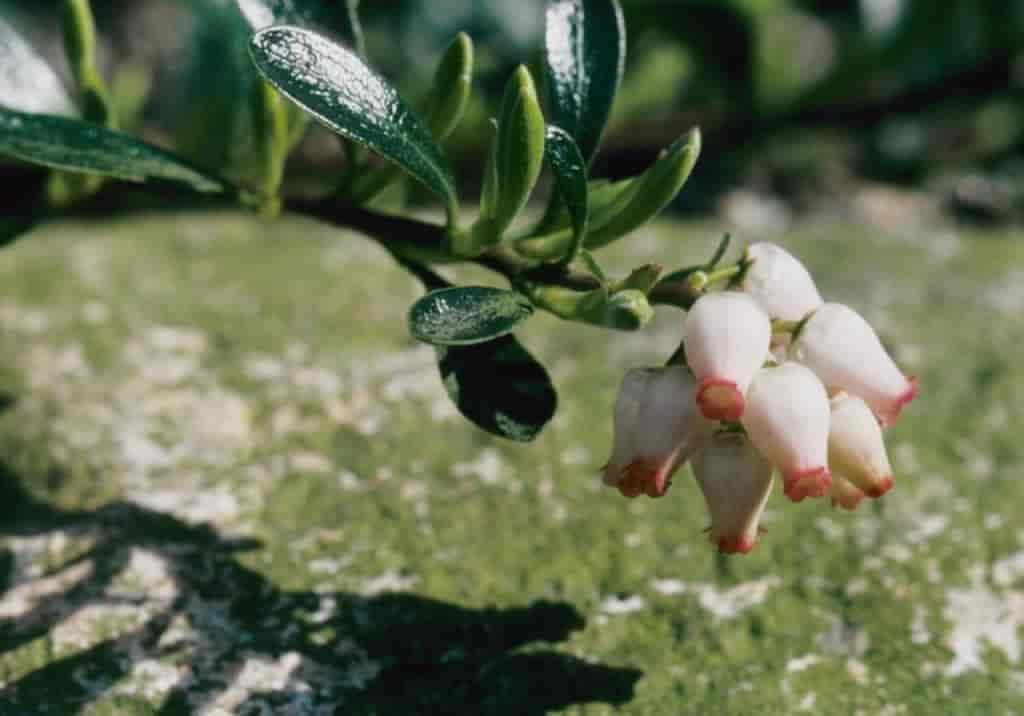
(466, 315)
(500, 387)
(78, 146)
(337, 19)
(13, 227)
(339, 90)
(27, 81)
(570, 171)
(593, 266)
(585, 53)
(214, 95)
(723, 246)
(496, 385)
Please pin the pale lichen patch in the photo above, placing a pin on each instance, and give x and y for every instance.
(390, 581)
(615, 605)
(981, 616)
(802, 663)
(723, 604)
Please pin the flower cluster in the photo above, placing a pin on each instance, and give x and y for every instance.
(772, 378)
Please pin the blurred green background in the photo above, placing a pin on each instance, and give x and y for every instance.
(796, 98)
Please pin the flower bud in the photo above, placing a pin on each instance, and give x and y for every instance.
(856, 450)
(657, 427)
(787, 419)
(779, 283)
(736, 482)
(840, 346)
(727, 338)
(844, 493)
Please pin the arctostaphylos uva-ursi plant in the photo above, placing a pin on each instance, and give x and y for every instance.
(767, 377)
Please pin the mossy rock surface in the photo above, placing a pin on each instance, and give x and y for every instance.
(233, 484)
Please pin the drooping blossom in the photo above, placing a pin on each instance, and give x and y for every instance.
(856, 449)
(657, 427)
(727, 338)
(845, 352)
(787, 419)
(779, 283)
(736, 482)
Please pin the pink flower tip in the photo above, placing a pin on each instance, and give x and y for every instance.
(902, 400)
(810, 482)
(735, 544)
(883, 486)
(720, 399)
(640, 477)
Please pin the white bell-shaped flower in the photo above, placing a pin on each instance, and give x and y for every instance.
(727, 338)
(736, 482)
(779, 283)
(844, 351)
(856, 449)
(787, 419)
(657, 427)
(844, 493)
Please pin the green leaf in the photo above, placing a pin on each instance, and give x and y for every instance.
(500, 387)
(496, 385)
(651, 192)
(337, 19)
(466, 315)
(585, 54)
(642, 278)
(78, 146)
(623, 310)
(570, 171)
(339, 90)
(520, 147)
(27, 82)
(593, 266)
(602, 196)
(215, 95)
(80, 48)
(449, 92)
(442, 110)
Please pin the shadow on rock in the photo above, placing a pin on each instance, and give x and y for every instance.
(239, 642)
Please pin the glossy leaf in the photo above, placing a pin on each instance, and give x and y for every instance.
(78, 146)
(449, 92)
(27, 81)
(630, 204)
(338, 89)
(585, 54)
(500, 387)
(497, 385)
(520, 148)
(466, 315)
(337, 19)
(570, 172)
(442, 110)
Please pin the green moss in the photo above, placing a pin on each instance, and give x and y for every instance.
(524, 586)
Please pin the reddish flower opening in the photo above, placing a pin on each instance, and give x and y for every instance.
(810, 482)
(720, 399)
